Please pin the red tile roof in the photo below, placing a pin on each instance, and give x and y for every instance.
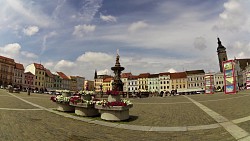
(28, 73)
(133, 77)
(178, 75)
(164, 73)
(126, 75)
(48, 73)
(154, 75)
(62, 75)
(108, 79)
(19, 66)
(144, 75)
(191, 72)
(6, 58)
(39, 66)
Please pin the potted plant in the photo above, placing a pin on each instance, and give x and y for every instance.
(62, 103)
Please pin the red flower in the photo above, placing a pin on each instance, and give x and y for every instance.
(53, 98)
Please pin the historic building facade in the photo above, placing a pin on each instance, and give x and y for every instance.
(178, 81)
(7, 66)
(153, 83)
(18, 76)
(164, 82)
(39, 71)
(195, 80)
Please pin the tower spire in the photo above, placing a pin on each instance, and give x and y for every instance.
(219, 42)
(222, 54)
(95, 77)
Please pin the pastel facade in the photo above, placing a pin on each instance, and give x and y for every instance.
(133, 84)
(195, 80)
(79, 83)
(178, 81)
(164, 82)
(219, 81)
(39, 71)
(153, 83)
(107, 84)
(143, 82)
(18, 76)
(73, 83)
(57, 82)
(29, 79)
(7, 66)
(65, 85)
(124, 78)
(49, 80)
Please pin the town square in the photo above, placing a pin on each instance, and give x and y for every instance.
(34, 117)
(105, 70)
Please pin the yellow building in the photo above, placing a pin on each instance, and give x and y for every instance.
(143, 82)
(98, 83)
(39, 71)
(6, 71)
(178, 81)
(107, 84)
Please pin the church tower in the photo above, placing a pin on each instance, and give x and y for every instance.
(222, 54)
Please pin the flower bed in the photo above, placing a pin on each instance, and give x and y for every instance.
(83, 107)
(62, 103)
(114, 109)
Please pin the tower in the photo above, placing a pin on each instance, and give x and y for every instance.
(222, 54)
(95, 76)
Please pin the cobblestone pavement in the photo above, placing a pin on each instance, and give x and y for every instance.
(37, 124)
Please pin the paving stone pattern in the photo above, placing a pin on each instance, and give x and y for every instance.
(175, 112)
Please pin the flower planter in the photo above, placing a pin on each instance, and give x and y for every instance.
(66, 94)
(114, 113)
(112, 98)
(65, 107)
(86, 97)
(84, 109)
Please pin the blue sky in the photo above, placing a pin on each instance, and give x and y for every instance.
(79, 36)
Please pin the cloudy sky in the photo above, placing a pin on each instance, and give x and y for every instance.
(79, 36)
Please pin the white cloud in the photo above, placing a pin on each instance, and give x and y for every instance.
(137, 25)
(28, 54)
(241, 55)
(31, 30)
(50, 35)
(49, 64)
(65, 63)
(81, 30)
(10, 50)
(108, 18)
(103, 72)
(26, 11)
(15, 51)
(172, 70)
(234, 17)
(88, 10)
(95, 57)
